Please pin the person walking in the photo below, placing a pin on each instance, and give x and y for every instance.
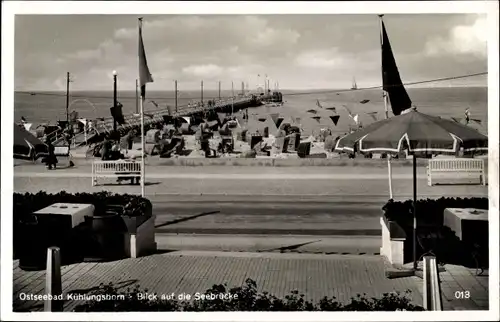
(130, 139)
(69, 137)
(51, 159)
(467, 115)
(105, 150)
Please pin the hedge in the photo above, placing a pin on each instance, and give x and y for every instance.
(446, 246)
(245, 298)
(429, 211)
(27, 203)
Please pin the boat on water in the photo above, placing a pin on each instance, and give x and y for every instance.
(274, 104)
(354, 85)
(274, 100)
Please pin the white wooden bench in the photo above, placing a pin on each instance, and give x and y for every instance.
(115, 169)
(455, 167)
(61, 151)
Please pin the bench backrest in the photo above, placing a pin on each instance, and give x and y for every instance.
(116, 166)
(61, 150)
(456, 164)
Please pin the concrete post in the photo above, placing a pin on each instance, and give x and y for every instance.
(431, 288)
(53, 284)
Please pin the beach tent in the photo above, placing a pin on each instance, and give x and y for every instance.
(253, 125)
(221, 117)
(317, 118)
(335, 119)
(26, 146)
(27, 126)
(373, 115)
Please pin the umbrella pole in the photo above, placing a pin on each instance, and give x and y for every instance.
(414, 211)
(389, 169)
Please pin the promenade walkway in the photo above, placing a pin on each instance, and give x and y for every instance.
(189, 271)
(315, 276)
(256, 181)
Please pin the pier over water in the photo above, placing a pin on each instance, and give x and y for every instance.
(154, 117)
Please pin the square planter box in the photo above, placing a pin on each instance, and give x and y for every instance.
(140, 241)
(133, 223)
(393, 240)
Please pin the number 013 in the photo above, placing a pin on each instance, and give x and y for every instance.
(462, 294)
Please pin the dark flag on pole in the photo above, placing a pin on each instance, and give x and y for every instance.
(391, 79)
(144, 74)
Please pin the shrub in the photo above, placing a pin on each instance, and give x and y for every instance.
(429, 211)
(445, 244)
(245, 298)
(26, 204)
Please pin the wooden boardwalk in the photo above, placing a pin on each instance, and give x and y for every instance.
(314, 275)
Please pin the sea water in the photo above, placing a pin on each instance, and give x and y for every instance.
(446, 102)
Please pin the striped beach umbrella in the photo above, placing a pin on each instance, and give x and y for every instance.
(417, 133)
(27, 146)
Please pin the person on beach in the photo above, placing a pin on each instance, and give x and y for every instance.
(115, 150)
(50, 159)
(467, 115)
(130, 139)
(105, 149)
(68, 136)
(89, 125)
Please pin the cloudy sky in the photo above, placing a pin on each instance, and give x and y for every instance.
(299, 51)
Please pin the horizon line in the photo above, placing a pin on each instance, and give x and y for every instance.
(284, 89)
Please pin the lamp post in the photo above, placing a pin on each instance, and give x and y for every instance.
(232, 98)
(114, 98)
(67, 98)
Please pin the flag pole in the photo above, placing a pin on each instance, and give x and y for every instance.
(143, 147)
(142, 68)
(384, 93)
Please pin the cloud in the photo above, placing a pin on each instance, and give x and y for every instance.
(462, 39)
(209, 70)
(108, 49)
(320, 59)
(334, 59)
(296, 50)
(276, 37)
